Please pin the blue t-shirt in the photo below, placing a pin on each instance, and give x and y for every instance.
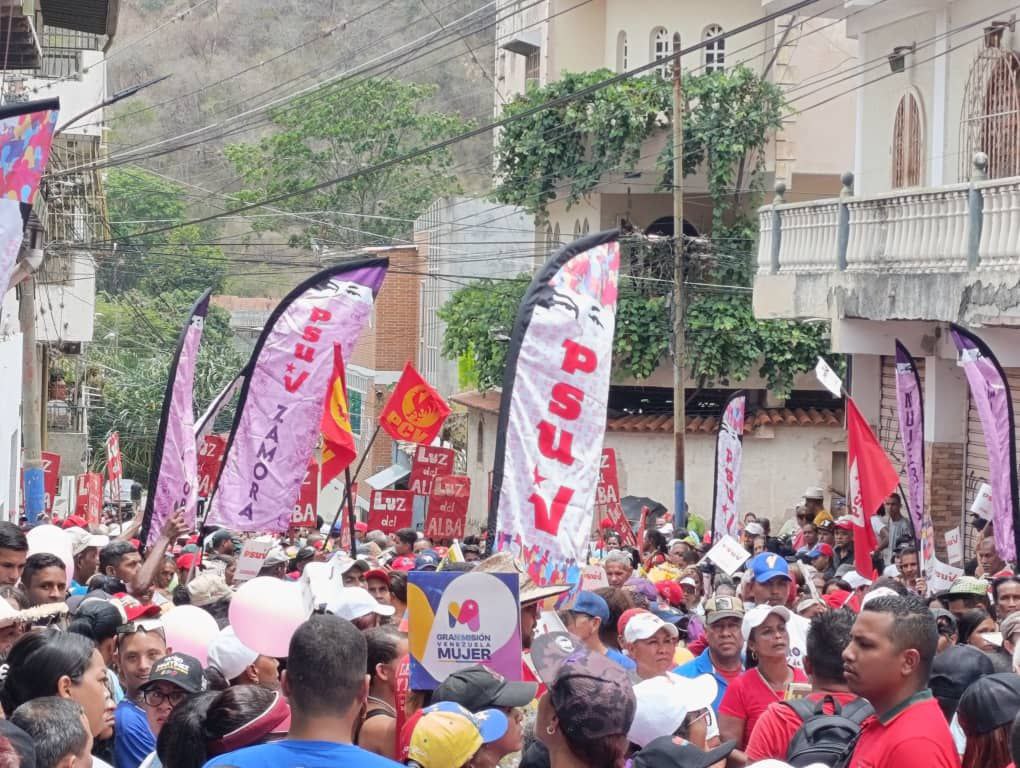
(132, 739)
(302, 754)
(624, 661)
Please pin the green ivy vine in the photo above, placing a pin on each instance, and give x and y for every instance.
(565, 151)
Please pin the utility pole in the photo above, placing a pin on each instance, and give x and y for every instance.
(679, 345)
(31, 387)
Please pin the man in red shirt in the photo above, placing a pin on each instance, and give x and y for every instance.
(827, 639)
(888, 661)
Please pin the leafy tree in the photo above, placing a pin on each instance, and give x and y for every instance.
(565, 151)
(179, 259)
(343, 128)
(129, 365)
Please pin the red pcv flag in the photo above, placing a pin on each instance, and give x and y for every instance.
(415, 412)
(872, 479)
(338, 449)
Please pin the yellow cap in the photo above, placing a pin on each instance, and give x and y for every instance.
(444, 740)
(821, 517)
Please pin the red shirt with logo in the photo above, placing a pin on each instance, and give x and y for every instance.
(778, 724)
(749, 696)
(914, 734)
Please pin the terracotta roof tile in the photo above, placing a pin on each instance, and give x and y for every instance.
(645, 422)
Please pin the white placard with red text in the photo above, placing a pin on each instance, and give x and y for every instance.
(954, 546)
(729, 555)
(253, 555)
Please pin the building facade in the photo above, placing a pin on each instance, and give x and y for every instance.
(924, 233)
(539, 42)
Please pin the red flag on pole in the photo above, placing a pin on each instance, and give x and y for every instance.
(338, 448)
(415, 412)
(872, 479)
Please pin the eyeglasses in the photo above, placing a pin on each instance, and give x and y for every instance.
(143, 625)
(155, 697)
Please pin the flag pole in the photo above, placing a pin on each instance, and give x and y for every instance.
(347, 490)
(350, 513)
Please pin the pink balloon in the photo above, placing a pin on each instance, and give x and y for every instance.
(190, 630)
(265, 612)
(54, 541)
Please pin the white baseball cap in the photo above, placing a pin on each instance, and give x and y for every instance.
(757, 615)
(355, 602)
(855, 580)
(229, 655)
(754, 529)
(877, 593)
(82, 540)
(642, 626)
(664, 701)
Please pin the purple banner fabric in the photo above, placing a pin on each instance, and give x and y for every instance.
(175, 482)
(729, 451)
(276, 426)
(990, 392)
(553, 410)
(910, 410)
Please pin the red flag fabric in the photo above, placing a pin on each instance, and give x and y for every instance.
(415, 412)
(872, 479)
(338, 449)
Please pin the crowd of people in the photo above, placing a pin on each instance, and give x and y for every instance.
(795, 659)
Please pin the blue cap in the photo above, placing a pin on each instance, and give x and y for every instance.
(593, 605)
(426, 560)
(767, 566)
(491, 723)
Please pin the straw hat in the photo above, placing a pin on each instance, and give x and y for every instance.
(504, 562)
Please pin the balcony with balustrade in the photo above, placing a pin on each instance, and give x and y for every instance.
(950, 253)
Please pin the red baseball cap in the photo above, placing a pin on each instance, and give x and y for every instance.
(133, 609)
(605, 523)
(75, 521)
(845, 523)
(361, 527)
(403, 563)
(378, 573)
(187, 560)
(626, 616)
(670, 591)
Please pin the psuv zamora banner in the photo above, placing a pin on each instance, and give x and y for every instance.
(279, 411)
(553, 410)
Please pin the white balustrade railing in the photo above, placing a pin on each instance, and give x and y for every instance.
(999, 247)
(809, 237)
(948, 229)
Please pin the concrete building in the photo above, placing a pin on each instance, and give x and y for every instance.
(925, 231)
(55, 48)
(538, 43)
(460, 240)
(785, 450)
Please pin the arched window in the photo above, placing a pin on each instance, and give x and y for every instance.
(556, 235)
(715, 49)
(908, 141)
(621, 51)
(577, 228)
(548, 237)
(585, 229)
(662, 50)
(990, 121)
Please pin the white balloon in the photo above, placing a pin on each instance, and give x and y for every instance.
(265, 612)
(190, 630)
(54, 541)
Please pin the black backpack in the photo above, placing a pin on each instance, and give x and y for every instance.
(826, 738)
